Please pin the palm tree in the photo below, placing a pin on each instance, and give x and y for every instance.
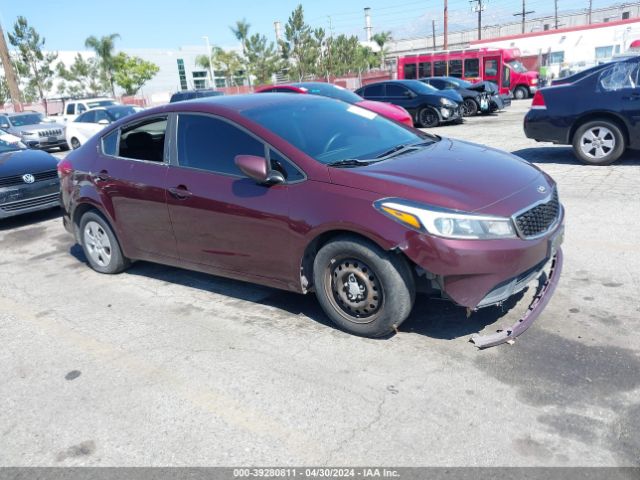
(381, 39)
(241, 31)
(104, 48)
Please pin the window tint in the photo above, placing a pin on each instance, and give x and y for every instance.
(212, 144)
(374, 90)
(89, 117)
(101, 115)
(70, 109)
(439, 68)
(81, 108)
(410, 71)
(394, 90)
(439, 84)
(110, 143)
(424, 69)
(279, 163)
(471, 67)
(144, 141)
(455, 68)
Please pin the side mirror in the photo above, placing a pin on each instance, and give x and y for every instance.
(258, 168)
(104, 121)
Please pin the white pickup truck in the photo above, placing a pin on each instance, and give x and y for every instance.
(73, 108)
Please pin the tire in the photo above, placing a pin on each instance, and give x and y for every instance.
(75, 143)
(101, 246)
(64, 147)
(521, 93)
(608, 138)
(428, 118)
(381, 282)
(469, 108)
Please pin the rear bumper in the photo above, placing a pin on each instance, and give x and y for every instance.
(539, 126)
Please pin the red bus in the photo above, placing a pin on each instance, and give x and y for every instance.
(498, 65)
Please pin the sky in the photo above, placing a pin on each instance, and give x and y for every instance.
(66, 24)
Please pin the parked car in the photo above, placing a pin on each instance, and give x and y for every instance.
(393, 112)
(9, 138)
(191, 94)
(473, 101)
(28, 179)
(428, 106)
(307, 193)
(497, 101)
(597, 114)
(34, 131)
(91, 122)
(73, 108)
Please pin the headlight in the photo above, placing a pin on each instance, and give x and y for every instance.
(27, 133)
(534, 81)
(446, 223)
(448, 103)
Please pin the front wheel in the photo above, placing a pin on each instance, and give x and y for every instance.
(469, 108)
(75, 143)
(428, 118)
(100, 244)
(599, 142)
(362, 288)
(521, 93)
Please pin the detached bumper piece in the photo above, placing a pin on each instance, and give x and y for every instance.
(536, 307)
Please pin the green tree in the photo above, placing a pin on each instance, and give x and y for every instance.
(226, 63)
(33, 64)
(382, 38)
(241, 32)
(301, 48)
(104, 48)
(4, 91)
(263, 58)
(81, 78)
(130, 73)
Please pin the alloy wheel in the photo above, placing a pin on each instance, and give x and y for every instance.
(97, 243)
(597, 142)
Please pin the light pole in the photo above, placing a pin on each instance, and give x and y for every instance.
(211, 73)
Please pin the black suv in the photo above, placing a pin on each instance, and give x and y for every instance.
(428, 106)
(191, 94)
(597, 114)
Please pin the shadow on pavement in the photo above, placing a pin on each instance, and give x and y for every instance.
(27, 219)
(564, 155)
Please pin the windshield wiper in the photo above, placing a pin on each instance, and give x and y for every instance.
(350, 162)
(402, 148)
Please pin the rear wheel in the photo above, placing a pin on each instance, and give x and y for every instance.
(75, 143)
(521, 93)
(100, 245)
(363, 289)
(599, 142)
(428, 118)
(469, 108)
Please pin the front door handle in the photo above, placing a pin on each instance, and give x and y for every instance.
(180, 192)
(103, 176)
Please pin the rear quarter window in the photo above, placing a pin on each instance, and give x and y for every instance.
(110, 143)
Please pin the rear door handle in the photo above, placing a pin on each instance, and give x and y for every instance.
(180, 192)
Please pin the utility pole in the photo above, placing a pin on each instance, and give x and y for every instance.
(329, 45)
(590, 10)
(367, 22)
(524, 14)
(446, 26)
(9, 73)
(433, 33)
(478, 6)
(555, 15)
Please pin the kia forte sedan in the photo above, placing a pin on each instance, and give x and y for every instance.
(311, 194)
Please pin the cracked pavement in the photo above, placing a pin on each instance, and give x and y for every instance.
(161, 366)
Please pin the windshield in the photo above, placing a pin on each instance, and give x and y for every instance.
(331, 131)
(517, 66)
(331, 91)
(116, 113)
(26, 119)
(100, 103)
(7, 145)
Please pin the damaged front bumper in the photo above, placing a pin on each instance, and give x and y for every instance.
(534, 310)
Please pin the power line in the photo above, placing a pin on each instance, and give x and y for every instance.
(524, 14)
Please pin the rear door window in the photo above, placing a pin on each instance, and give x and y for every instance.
(211, 144)
(396, 91)
(144, 141)
(71, 108)
(620, 76)
(372, 91)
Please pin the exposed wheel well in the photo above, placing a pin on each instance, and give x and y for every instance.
(306, 265)
(599, 116)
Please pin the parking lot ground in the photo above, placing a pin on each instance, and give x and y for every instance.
(161, 366)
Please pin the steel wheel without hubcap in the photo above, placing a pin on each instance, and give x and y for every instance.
(355, 289)
(97, 243)
(597, 142)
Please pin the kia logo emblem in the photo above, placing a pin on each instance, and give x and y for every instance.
(28, 178)
(542, 189)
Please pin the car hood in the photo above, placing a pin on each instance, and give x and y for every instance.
(453, 174)
(385, 109)
(26, 161)
(40, 126)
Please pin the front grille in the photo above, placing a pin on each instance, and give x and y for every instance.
(30, 203)
(540, 218)
(50, 133)
(17, 179)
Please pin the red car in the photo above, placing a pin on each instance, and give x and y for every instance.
(393, 112)
(310, 194)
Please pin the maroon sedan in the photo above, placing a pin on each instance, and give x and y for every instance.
(307, 193)
(393, 112)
